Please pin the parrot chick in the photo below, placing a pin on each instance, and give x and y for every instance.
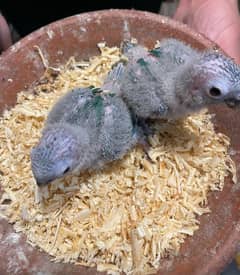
(174, 80)
(84, 130)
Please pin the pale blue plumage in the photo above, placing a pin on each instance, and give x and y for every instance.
(174, 80)
(84, 130)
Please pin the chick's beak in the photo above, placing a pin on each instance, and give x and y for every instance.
(42, 182)
(233, 100)
(39, 183)
(232, 103)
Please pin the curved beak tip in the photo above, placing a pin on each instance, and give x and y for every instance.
(39, 183)
(232, 103)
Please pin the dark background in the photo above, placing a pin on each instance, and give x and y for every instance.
(27, 16)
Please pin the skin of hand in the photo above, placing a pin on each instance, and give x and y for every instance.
(5, 35)
(217, 20)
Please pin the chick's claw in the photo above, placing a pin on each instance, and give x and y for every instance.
(143, 139)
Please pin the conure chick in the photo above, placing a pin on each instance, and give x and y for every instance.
(173, 80)
(84, 130)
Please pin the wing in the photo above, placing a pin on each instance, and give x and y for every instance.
(69, 104)
(113, 79)
(126, 46)
(117, 132)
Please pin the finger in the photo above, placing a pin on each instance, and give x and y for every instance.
(231, 44)
(5, 35)
(182, 10)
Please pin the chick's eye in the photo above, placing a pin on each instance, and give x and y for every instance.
(215, 92)
(66, 170)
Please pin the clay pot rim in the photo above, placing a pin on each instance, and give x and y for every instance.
(111, 13)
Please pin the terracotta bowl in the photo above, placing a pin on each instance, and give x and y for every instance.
(213, 245)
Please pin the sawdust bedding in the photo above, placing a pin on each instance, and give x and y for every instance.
(132, 214)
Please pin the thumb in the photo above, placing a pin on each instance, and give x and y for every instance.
(182, 11)
(5, 35)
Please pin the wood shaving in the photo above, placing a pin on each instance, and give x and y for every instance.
(132, 214)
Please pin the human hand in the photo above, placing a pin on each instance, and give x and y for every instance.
(217, 20)
(5, 35)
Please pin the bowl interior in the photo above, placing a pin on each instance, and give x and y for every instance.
(213, 244)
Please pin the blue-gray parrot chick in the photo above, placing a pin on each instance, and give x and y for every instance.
(84, 130)
(174, 80)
